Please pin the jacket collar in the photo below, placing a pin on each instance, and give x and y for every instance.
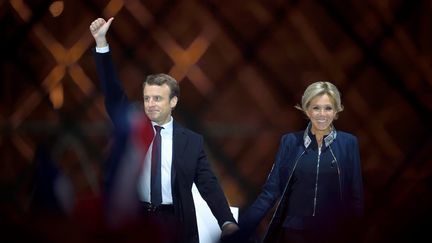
(327, 140)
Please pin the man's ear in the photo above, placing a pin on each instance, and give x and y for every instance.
(173, 102)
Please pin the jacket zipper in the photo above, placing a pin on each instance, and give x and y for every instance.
(286, 187)
(316, 181)
(338, 171)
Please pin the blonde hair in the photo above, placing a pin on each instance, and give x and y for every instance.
(320, 88)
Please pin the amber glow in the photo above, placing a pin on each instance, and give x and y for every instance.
(56, 8)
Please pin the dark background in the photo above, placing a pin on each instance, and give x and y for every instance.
(242, 66)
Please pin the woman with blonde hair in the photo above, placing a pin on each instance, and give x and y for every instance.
(316, 178)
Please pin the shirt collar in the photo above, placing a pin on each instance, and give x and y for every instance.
(167, 127)
(327, 140)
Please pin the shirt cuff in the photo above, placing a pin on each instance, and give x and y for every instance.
(104, 49)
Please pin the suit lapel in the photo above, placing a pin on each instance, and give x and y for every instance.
(179, 143)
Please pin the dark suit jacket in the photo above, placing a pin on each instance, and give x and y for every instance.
(189, 162)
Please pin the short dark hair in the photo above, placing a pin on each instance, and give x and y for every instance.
(161, 79)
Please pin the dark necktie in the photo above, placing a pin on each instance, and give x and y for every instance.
(155, 190)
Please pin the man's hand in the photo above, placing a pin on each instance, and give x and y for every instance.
(98, 29)
(229, 229)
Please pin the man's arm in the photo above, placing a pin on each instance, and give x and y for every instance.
(213, 194)
(116, 101)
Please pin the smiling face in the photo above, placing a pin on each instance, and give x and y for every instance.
(321, 112)
(157, 103)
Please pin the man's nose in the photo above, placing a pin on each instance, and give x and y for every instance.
(151, 102)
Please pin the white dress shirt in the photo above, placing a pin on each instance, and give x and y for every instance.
(104, 49)
(166, 162)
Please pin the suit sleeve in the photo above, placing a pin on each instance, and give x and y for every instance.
(251, 218)
(210, 189)
(116, 102)
(117, 107)
(357, 197)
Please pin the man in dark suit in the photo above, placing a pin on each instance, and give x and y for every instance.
(177, 151)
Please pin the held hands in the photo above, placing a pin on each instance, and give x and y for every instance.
(98, 29)
(229, 229)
